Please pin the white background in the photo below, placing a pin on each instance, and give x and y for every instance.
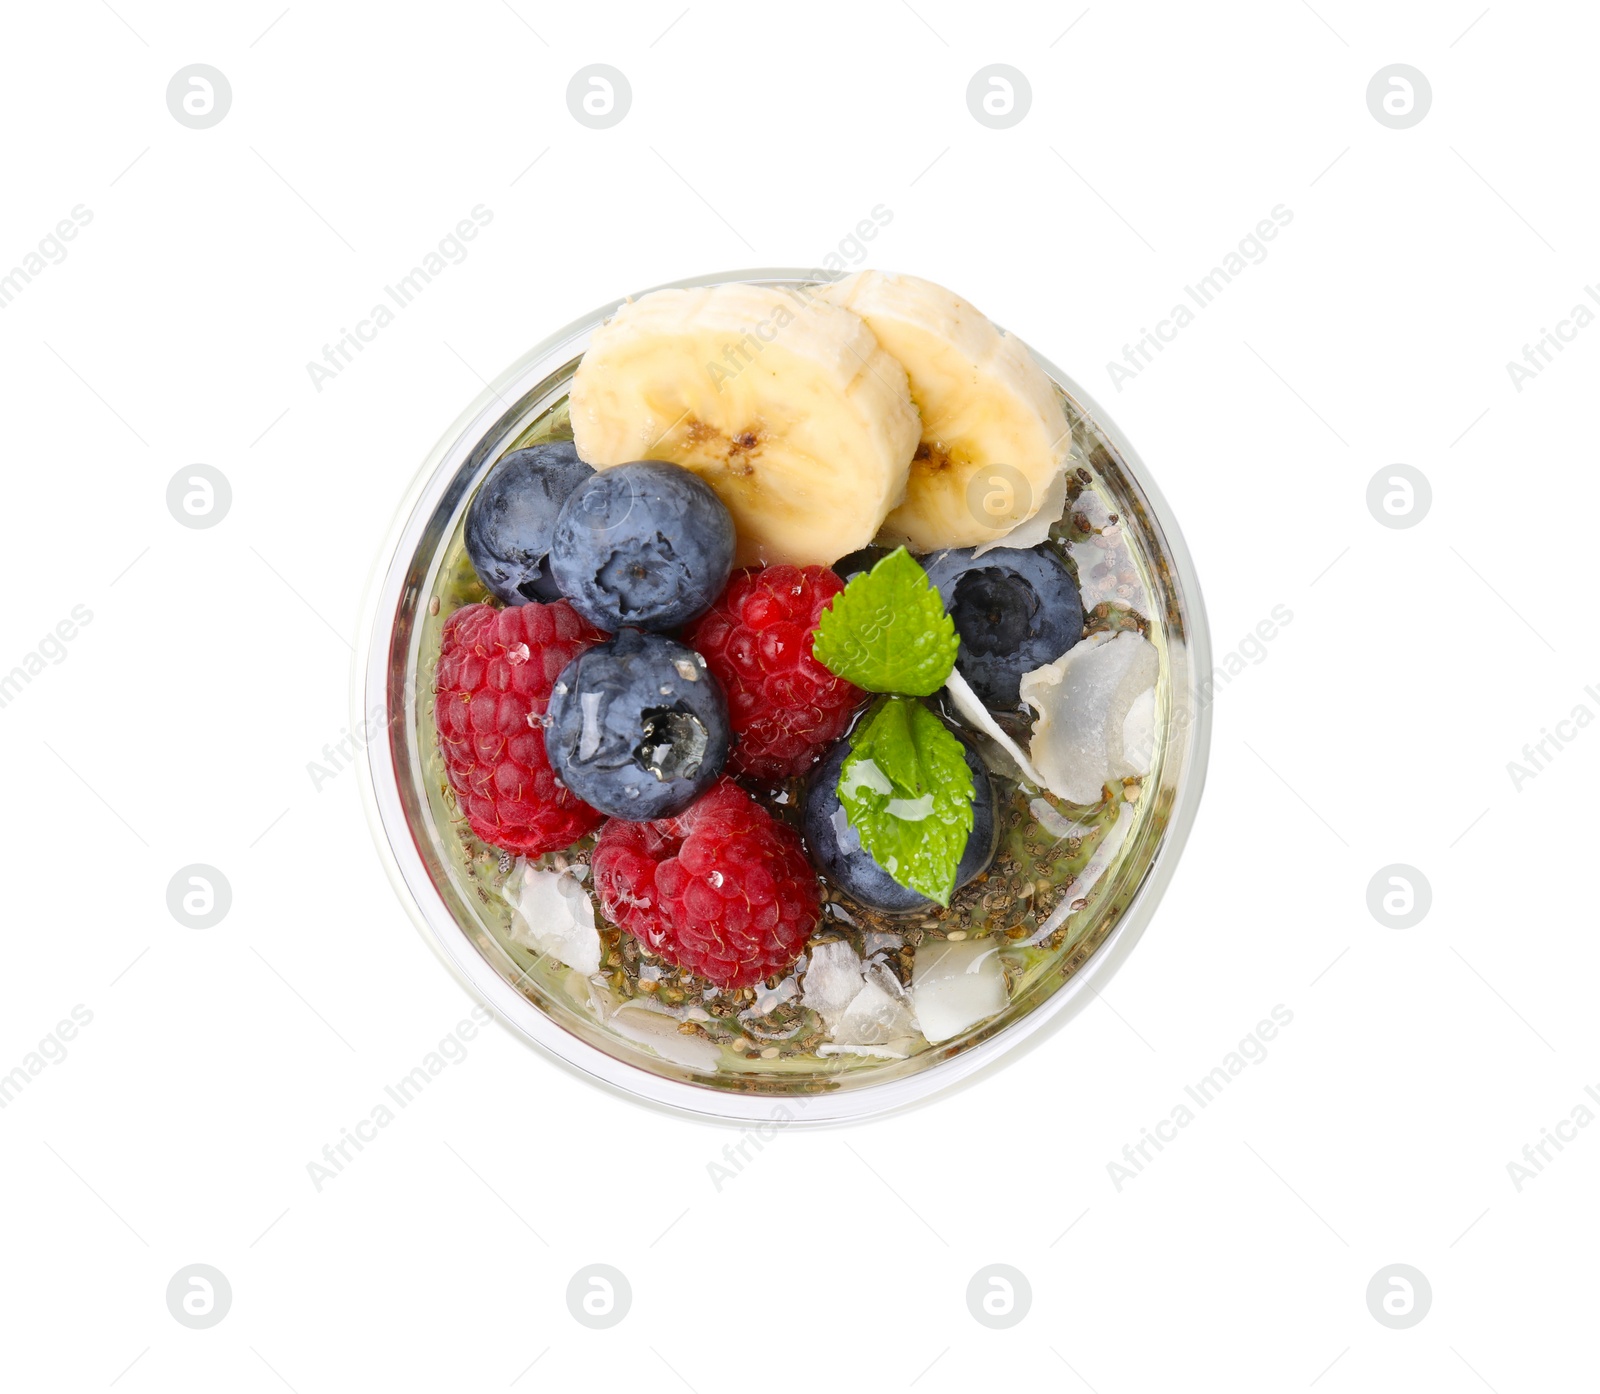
(1377, 729)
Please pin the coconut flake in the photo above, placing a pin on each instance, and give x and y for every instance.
(1076, 894)
(1139, 735)
(1083, 700)
(1053, 823)
(644, 1026)
(878, 1052)
(878, 1014)
(956, 985)
(554, 915)
(863, 1006)
(1032, 531)
(968, 704)
(832, 980)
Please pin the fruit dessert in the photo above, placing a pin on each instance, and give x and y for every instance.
(796, 687)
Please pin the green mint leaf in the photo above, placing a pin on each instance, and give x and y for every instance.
(907, 792)
(887, 631)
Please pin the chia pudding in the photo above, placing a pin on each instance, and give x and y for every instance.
(858, 993)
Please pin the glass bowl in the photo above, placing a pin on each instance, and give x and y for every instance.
(1095, 893)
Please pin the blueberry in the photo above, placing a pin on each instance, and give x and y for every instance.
(647, 544)
(847, 568)
(1014, 610)
(837, 852)
(637, 726)
(511, 517)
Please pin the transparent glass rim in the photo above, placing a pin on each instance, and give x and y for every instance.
(378, 708)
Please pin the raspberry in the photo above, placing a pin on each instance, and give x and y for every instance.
(723, 889)
(786, 708)
(496, 669)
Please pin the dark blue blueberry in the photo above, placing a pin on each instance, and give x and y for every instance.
(646, 544)
(638, 727)
(837, 852)
(511, 518)
(848, 568)
(1014, 609)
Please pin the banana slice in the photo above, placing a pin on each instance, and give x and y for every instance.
(994, 435)
(784, 403)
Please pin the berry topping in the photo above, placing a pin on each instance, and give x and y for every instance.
(723, 890)
(511, 518)
(638, 726)
(496, 671)
(1014, 609)
(837, 851)
(646, 544)
(785, 706)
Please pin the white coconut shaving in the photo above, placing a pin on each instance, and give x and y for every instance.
(1076, 895)
(956, 985)
(1053, 823)
(877, 1052)
(1083, 700)
(863, 1006)
(879, 1014)
(659, 1031)
(970, 707)
(1139, 734)
(833, 977)
(1032, 531)
(554, 915)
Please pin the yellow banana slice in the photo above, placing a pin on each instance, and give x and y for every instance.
(994, 434)
(781, 401)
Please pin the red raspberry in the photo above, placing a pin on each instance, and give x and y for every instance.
(785, 707)
(496, 669)
(723, 889)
